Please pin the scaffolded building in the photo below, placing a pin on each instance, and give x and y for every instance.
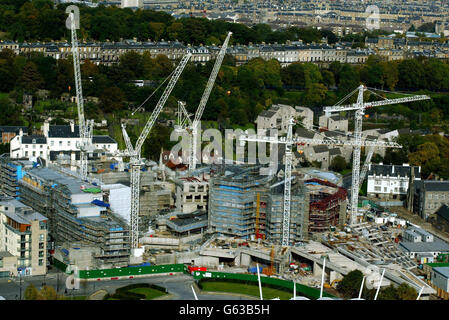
(76, 212)
(327, 205)
(245, 204)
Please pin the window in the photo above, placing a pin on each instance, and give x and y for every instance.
(60, 143)
(68, 143)
(41, 254)
(41, 262)
(41, 245)
(52, 143)
(41, 237)
(26, 153)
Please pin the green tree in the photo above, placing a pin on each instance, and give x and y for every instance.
(405, 292)
(31, 293)
(31, 80)
(350, 285)
(48, 293)
(338, 164)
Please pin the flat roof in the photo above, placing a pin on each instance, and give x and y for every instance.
(54, 176)
(436, 246)
(444, 271)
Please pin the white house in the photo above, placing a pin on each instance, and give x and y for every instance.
(57, 140)
(390, 181)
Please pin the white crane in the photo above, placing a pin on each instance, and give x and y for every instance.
(289, 141)
(366, 164)
(134, 152)
(359, 108)
(85, 126)
(193, 128)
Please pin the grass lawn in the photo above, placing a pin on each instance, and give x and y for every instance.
(248, 289)
(149, 293)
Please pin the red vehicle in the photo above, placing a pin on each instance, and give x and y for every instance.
(192, 269)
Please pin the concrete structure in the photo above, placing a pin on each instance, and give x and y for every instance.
(23, 233)
(233, 206)
(327, 205)
(131, 4)
(192, 193)
(183, 224)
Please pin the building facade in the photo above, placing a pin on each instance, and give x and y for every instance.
(23, 233)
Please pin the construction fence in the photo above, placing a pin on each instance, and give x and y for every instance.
(269, 281)
(131, 272)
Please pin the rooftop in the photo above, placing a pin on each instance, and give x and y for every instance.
(437, 245)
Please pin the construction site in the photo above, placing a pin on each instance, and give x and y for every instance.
(295, 224)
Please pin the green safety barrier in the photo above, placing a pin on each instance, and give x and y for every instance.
(131, 271)
(301, 289)
(60, 265)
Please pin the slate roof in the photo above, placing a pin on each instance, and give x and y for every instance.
(334, 152)
(320, 149)
(302, 132)
(433, 185)
(13, 129)
(267, 113)
(386, 169)
(34, 139)
(103, 139)
(63, 131)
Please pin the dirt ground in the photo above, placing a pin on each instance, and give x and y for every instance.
(413, 218)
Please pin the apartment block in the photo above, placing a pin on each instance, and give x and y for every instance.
(77, 212)
(23, 234)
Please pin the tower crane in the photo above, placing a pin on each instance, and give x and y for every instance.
(360, 108)
(365, 167)
(134, 152)
(193, 128)
(289, 141)
(85, 126)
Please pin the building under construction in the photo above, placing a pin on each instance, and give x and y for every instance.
(327, 205)
(76, 212)
(245, 204)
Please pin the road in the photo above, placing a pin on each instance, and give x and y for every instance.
(179, 286)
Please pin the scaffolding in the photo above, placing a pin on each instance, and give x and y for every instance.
(326, 204)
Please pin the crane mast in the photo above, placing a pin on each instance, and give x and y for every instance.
(135, 152)
(203, 101)
(85, 128)
(287, 185)
(359, 108)
(289, 141)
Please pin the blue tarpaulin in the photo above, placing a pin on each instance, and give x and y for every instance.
(101, 203)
